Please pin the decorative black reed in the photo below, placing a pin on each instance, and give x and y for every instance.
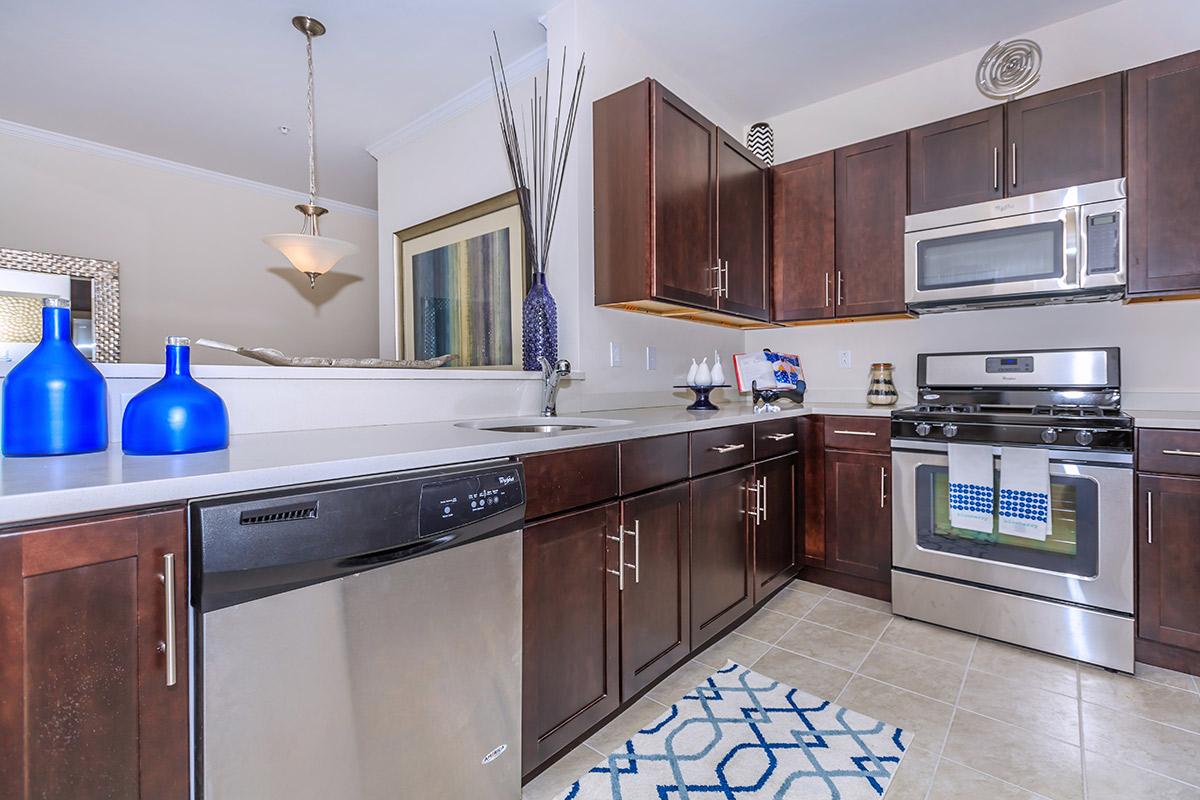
(539, 181)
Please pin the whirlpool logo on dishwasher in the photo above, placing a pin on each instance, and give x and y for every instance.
(492, 756)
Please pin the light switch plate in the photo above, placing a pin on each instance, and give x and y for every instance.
(614, 354)
(651, 357)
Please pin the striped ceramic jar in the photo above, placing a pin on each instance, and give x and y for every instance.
(882, 392)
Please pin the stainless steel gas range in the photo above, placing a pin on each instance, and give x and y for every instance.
(1071, 594)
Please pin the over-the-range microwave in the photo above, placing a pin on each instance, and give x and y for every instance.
(1066, 245)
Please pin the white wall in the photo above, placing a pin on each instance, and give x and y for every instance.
(1158, 340)
(189, 243)
(461, 161)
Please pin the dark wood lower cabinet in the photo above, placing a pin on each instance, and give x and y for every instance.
(858, 514)
(655, 631)
(722, 582)
(1169, 561)
(571, 656)
(775, 532)
(85, 707)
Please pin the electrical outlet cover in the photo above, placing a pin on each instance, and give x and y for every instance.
(844, 359)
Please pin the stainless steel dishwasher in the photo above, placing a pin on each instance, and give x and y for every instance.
(361, 640)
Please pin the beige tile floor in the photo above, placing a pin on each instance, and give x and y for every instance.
(990, 720)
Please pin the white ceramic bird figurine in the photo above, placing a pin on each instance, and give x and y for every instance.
(691, 378)
(718, 372)
(703, 374)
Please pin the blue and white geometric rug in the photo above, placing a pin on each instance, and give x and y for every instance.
(743, 736)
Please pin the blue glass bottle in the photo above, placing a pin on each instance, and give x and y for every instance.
(55, 401)
(539, 325)
(177, 414)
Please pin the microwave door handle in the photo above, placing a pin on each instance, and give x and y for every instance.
(1072, 247)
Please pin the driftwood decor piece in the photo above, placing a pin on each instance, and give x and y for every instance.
(269, 355)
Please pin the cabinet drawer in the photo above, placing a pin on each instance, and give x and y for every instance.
(647, 463)
(1175, 452)
(870, 434)
(774, 438)
(721, 448)
(568, 479)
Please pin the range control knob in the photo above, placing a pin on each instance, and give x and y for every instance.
(923, 429)
(1050, 436)
(1084, 438)
(950, 430)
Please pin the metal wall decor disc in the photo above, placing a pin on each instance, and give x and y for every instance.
(1009, 68)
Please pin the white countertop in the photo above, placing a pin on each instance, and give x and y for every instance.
(1146, 418)
(42, 488)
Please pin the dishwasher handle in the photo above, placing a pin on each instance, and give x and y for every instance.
(394, 554)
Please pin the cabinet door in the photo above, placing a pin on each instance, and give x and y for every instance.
(802, 253)
(1066, 137)
(1163, 161)
(685, 202)
(957, 161)
(570, 670)
(775, 531)
(858, 514)
(871, 200)
(1169, 561)
(85, 707)
(721, 587)
(742, 228)
(655, 623)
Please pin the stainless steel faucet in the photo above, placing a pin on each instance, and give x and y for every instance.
(551, 375)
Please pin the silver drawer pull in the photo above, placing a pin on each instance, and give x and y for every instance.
(726, 448)
(855, 433)
(779, 437)
(620, 573)
(636, 566)
(1181, 453)
(168, 644)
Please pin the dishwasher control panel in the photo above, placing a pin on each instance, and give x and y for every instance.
(458, 501)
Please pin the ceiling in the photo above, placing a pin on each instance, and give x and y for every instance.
(211, 90)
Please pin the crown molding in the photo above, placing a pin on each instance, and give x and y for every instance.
(524, 67)
(18, 131)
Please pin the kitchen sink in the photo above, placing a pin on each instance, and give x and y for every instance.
(540, 424)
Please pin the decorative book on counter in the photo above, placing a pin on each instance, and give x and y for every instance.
(55, 401)
(176, 414)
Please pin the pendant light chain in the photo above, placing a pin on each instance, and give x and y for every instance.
(312, 148)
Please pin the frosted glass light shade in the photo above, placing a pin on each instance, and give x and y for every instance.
(314, 255)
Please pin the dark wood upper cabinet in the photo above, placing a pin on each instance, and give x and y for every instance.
(957, 161)
(1169, 561)
(85, 706)
(742, 196)
(1163, 159)
(871, 201)
(1065, 137)
(655, 621)
(722, 583)
(858, 514)
(802, 236)
(571, 652)
(775, 532)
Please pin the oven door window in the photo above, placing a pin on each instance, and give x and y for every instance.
(992, 258)
(1071, 548)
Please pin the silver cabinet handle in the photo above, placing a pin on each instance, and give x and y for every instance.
(168, 645)
(620, 573)
(827, 290)
(725, 272)
(840, 301)
(636, 566)
(717, 269)
(756, 490)
(882, 487)
(855, 433)
(1149, 517)
(722, 449)
(1181, 453)
(779, 437)
(762, 499)
(996, 168)
(1014, 163)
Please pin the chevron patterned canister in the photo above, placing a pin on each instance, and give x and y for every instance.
(761, 141)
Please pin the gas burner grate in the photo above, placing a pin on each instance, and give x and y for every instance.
(1074, 411)
(947, 408)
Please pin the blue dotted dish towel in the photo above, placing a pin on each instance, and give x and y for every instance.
(1024, 506)
(972, 487)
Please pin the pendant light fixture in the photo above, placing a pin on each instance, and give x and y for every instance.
(309, 251)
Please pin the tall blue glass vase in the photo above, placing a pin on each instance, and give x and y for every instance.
(55, 401)
(177, 414)
(539, 324)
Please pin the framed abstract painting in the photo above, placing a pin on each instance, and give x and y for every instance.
(460, 281)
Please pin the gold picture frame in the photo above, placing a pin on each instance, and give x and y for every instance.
(460, 283)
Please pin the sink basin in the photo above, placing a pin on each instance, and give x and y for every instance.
(540, 424)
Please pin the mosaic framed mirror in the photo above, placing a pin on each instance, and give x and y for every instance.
(92, 286)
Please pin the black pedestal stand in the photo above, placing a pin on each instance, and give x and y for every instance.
(771, 395)
(702, 402)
